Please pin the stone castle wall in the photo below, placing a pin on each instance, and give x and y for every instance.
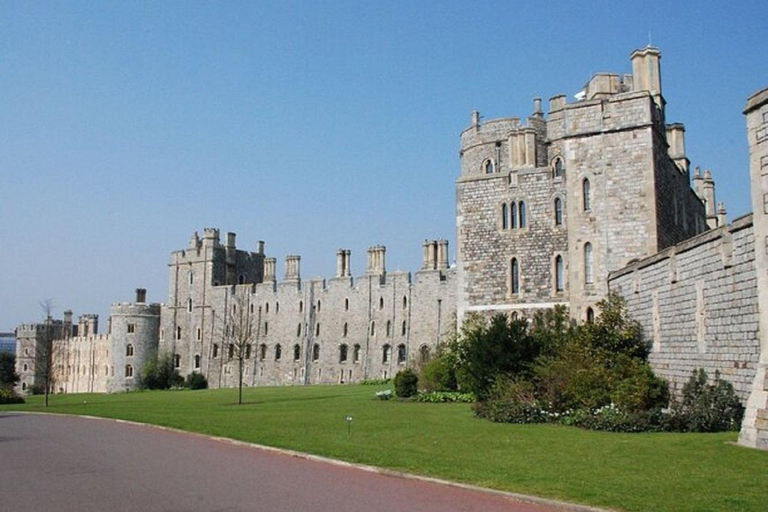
(697, 302)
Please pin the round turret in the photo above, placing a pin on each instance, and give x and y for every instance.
(135, 338)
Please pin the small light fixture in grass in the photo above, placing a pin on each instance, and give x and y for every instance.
(349, 424)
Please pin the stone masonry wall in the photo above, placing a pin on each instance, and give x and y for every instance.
(697, 302)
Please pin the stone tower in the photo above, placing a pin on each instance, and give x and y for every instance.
(754, 430)
(546, 208)
(134, 340)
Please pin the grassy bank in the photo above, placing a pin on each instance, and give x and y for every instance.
(652, 471)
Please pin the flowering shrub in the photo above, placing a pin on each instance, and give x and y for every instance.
(705, 407)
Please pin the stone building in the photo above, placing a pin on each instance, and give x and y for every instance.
(547, 208)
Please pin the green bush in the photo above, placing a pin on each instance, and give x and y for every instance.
(8, 375)
(375, 382)
(196, 380)
(439, 373)
(612, 419)
(9, 396)
(406, 383)
(507, 411)
(161, 374)
(705, 407)
(439, 397)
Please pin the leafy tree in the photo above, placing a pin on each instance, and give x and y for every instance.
(160, 373)
(8, 376)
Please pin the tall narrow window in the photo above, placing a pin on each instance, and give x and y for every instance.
(301, 306)
(129, 350)
(521, 214)
(215, 350)
(231, 353)
(266, 308)
(588, 271)
(515, 276)
(373, 328)
(248, 351)
(315, 352)
(403, 329)
(177, 360)
(385, 353)
(346, 304)
(356, 353)
(424, 353)
(191, 277)
(296, 352)
(189, 305)
(266, 328)
(488, 167)
(401, 354)
(298, 330)
(343, 354)
(389, 328)
(199, 334)
(197, 361)
(504, 216)
(178, 333)
(277, 307)
(318, 306)
(590, 315)
(128, 371)
(405, 302)
(317, 329)
(558, 212)
(131, 328)
(586, 190)
(345, 330)
(559, 274)
(262, 352)
(559, 171)
(513, 212)
(278, 352)
(381, 302)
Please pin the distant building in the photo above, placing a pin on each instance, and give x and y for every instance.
(7, 342)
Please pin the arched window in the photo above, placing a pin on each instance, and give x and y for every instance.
(177, 360)
(215, 350)
(343, 353)
(424, 353)
(389, 328)
(262, 352)
(489, 167)
(558, 170)
(315, 352)
(197, 361)
(401, 355)
(129, 350)
(231, 352)
(590, 315)
(301, 306)
(588, 270)
(128, 371)
(266, 308)
(559, 274)
(403, 329)
(278, 352)
(381, 302)
(515, 276)
(513, 212)
(385, 350)
(248, 351)
(317, 329)
(296, 352)
(558, 212)
(277, 307)
(586, 192)
(356, 353)
(504, 216)
(522, 214)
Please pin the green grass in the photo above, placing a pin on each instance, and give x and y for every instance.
(654, 471)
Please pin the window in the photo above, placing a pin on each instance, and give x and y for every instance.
(278, 352)
(343, 354)
(231, 352)
(488, 167)
(315, 352)
(504, 216)
(131, 328)
(559, 274)
(296, 352)
(241, 279)
(177, 361)
(403, 330)
(513, 211)
(301, 306)
(590, 315)
(558, 212)
(199, 334)
(401, 356)
(346, 304)
(26, 367)
(515, 276)
(373, 328)
(266, 308)
(277, 307)
(317, 329)
(178, 333)
(558, 170)
(356, 353)
(128, 371)
(588, 270)
(197, 361)
(318, 306)
(234, 309)
(262, 352)
(298, 330)
(345, 330)
(191, 277)
(389, 328)
(381, 302)
(189, 305)
(424, 353)
(586, 192)
(248, 351)
(385, 353)
(215, 350)
(266, 328)
(405, 302)
(129, 350)
(521, 207)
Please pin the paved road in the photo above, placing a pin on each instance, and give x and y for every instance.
(67, 463)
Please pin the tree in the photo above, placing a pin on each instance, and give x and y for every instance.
(160, 373)
(8, 376)
(45, 349)
(239, 332)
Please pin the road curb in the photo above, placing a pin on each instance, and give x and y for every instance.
(364, 467)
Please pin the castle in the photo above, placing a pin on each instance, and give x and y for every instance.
(595, 195)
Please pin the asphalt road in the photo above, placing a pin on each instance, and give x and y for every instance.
(63, 463)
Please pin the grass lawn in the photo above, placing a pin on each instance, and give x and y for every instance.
(657, 471)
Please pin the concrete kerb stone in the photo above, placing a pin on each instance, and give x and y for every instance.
(571, 507)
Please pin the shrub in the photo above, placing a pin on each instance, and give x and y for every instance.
(506, 411)
(8, 375)
(160, 374)
(439, 373)
(375, 382)
(439, 397)
(384, 395)
(612, 419)
(406, 383)
(705, 407)
(196, 380)
(9, 396)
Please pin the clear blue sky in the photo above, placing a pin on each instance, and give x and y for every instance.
(316, 125)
